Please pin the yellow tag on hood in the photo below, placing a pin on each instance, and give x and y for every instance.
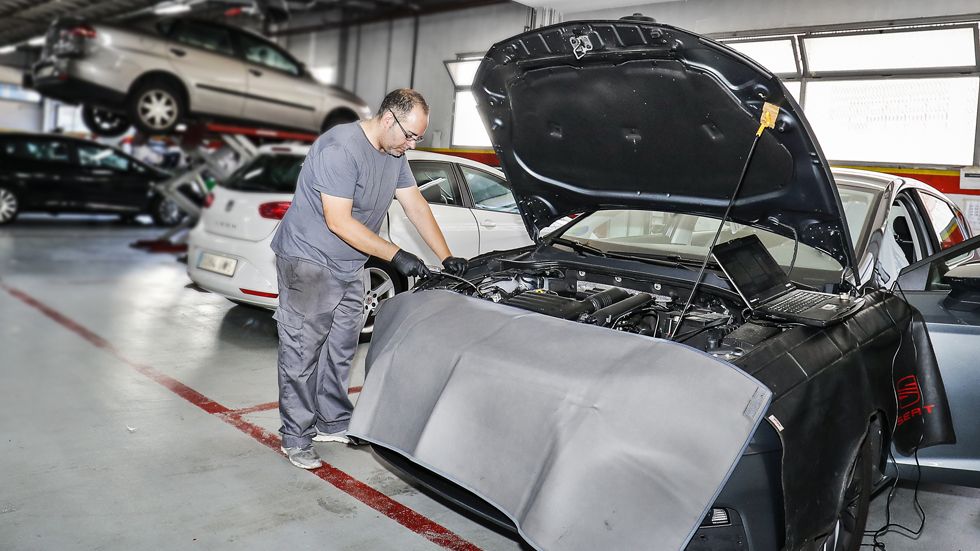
(768, 118)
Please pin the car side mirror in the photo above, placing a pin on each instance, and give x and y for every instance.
(924, 274)
(964, 283)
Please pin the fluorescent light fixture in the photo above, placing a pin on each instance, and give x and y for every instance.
(36, 41)
(170, 8)
(4, 50)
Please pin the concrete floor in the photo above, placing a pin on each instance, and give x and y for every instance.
(136, 409)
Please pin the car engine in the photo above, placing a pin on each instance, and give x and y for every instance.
(714, 324)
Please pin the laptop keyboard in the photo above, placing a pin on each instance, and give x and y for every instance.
(798, 302)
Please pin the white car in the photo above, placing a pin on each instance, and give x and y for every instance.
(229, 249)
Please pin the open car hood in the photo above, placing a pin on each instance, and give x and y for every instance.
(628, 114)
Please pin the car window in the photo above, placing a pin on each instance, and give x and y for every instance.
(207, 37)
(267, 174)
(102, 157)
(36, 149)
(905, 233)
(489, 192)
(946, 224)
(261, 52)
(436, 183)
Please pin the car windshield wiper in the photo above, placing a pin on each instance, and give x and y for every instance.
(584, 247)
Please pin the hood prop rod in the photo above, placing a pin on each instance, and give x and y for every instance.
(768, 120)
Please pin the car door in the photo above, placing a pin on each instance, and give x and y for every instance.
(42, 167)
(437, 182)
(950, 305)
(109, 179)
(206, 59)
(495, 209)
(277, 93)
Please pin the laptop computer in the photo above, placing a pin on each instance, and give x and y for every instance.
(764, 287)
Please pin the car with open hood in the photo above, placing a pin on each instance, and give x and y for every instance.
(608, 386)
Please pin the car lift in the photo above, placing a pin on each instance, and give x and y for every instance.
(219, 163)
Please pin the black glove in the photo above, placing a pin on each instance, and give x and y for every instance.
(454, 265)
(409, 265)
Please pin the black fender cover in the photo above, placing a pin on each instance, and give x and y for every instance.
(828, 383)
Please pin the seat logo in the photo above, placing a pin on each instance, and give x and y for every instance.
(908, 391)
(228, 207)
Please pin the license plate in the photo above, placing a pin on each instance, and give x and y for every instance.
(217, 264)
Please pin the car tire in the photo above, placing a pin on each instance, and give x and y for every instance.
(105, 123)
(338, 117)
(386, 282)
(165, 212)
(852, 519)
(156, 107)
(9, 205)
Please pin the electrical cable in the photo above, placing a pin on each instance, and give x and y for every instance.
(876, 544)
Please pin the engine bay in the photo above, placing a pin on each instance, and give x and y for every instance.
(713, 323)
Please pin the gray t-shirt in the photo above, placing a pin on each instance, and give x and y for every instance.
(342, 163)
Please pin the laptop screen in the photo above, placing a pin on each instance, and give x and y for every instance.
(752, 270)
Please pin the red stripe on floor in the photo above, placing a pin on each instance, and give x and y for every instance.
(174, 385)
(360, 491)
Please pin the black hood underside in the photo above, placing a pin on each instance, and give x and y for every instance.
(647, 116)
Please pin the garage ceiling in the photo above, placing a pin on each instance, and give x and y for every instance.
(21, 20)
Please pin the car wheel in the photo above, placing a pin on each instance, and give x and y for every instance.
(338, 117)
(104, 123)
(386, 282)
(156, 107)
(9, 207)
(165, 212)
(853, 517)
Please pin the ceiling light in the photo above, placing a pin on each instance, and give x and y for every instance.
(36, 41)
(4, 50)
(170, 8)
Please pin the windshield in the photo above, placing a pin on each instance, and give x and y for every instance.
(267, 174)
(687, 236)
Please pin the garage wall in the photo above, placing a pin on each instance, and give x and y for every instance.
(380, 55)
(18, 115)
(715, 16)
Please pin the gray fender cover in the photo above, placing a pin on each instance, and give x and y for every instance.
(586, 438)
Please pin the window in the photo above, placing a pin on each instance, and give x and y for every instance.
(945, 223)
(468, 129)
(267, 174)
(891, 50)
(261, 52)
(102, 157)
(436, 183)
(35, 150)
(216, 39)
(916, 120)
(882, 95)
(488, 191)
(776, 55)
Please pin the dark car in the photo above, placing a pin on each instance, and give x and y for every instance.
(57, 174)
(610, 386)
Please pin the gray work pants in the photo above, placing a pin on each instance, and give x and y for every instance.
(320, 318)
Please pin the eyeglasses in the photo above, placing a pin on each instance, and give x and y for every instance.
(408, 135)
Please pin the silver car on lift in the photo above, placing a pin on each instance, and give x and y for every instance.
(156, 73)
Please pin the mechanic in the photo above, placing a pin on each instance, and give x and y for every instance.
(345, 188)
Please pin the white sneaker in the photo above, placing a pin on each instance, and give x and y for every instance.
(304, 458)
(340, 437)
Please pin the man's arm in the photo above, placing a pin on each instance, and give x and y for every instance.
(337, 212)
(418, 211)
